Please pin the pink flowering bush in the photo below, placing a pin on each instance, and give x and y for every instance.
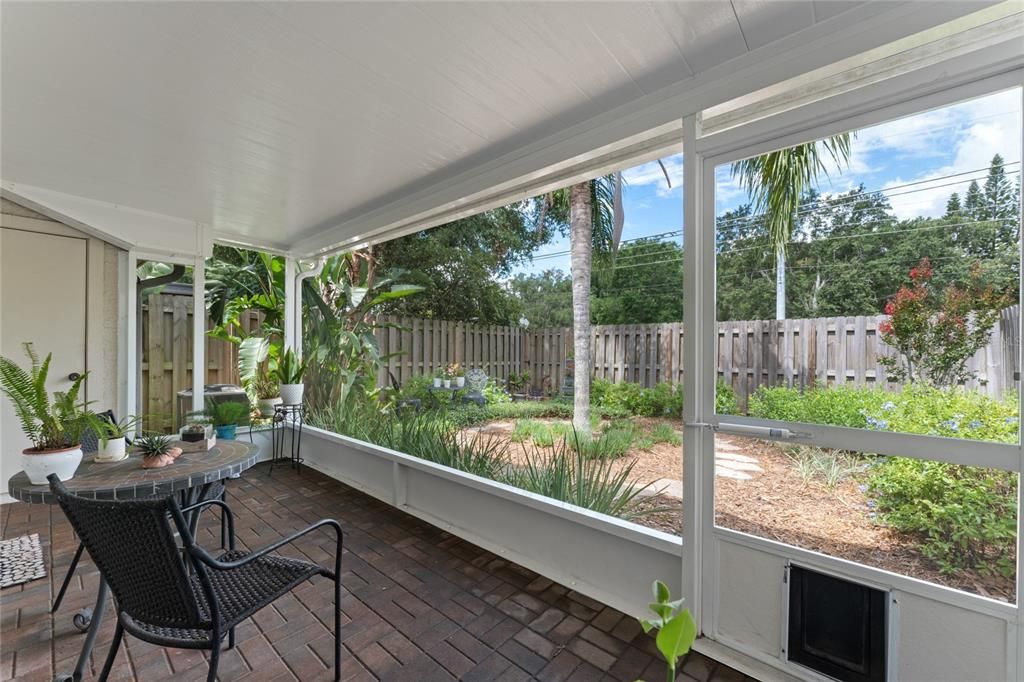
(935, 333)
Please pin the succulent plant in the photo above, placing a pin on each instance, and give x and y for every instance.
(153, 444)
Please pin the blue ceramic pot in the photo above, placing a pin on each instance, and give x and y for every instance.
(226, 432)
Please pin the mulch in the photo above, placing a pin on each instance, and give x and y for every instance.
(779, 505)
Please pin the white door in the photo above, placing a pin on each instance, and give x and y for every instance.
(42, 300)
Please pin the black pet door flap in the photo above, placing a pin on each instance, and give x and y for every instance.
(837, 627)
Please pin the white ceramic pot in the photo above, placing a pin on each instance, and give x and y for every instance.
(437, 382)
(39, 465)
(291, 394)
(266, 405)
(447, 383)
(460, 382)
(113, 451)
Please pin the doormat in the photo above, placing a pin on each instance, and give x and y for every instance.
(21, 560)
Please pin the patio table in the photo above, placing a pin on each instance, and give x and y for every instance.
(190, 476)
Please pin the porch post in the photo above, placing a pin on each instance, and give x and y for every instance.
(131, 360)
(698, 372)
(198, 334)
(291, 304)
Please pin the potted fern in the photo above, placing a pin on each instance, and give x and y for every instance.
(226, 416)
(54, 425)
(289, 373)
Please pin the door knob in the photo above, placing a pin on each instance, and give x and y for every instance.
(74, 376)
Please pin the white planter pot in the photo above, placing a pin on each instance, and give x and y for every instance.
(447, 383)
(291, 394)
(113, 451)
(437, 382)
(266, 405)
(460, 382)
(39, 465)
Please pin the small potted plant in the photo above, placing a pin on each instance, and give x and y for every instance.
(438, 378)
(226, 416)
(268, 394)
(193, 432)
(157, 450)
(54, 425)
(289, 373)
(460, 376)
(113, 439)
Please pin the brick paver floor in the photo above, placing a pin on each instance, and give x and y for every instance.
(418, 604)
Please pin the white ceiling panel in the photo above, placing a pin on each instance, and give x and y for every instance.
(272, 121)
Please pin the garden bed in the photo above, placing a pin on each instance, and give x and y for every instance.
(770, 499)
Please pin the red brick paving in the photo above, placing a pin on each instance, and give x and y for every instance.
(418, 604)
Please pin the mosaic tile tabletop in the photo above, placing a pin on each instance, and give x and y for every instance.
(127, 479)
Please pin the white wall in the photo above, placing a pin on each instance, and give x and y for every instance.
(105, 323)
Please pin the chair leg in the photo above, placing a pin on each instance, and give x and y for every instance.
(223, 526)
(115, 645)
(337, 626)
(231, 638)
(67, 578)
(214, 662)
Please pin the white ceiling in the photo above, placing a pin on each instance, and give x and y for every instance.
(271, 122)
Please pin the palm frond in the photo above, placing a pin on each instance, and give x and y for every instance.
(777, 180)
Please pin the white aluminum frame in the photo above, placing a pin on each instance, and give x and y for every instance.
(989, 72)
(133, 362)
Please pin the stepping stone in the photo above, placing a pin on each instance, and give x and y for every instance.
(739, 466)
(668, 487)
(735, 457)
(729, 473)
(726, 446)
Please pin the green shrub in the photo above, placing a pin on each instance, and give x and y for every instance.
(839, 406)
(966, 516)
(664, 433)
(495, 393)
(417, 388)
(566, 474)
(725, 398)
(562, 473)
(611, 444)
(630, 398)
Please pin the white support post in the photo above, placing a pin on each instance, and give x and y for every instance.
(698, 372)
(132, 363)
(198, 334)
(1019, 662)
(292, 305)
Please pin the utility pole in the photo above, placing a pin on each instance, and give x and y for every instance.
(780, 285)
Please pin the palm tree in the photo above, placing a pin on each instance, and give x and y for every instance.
(593, 212)
(776, 181)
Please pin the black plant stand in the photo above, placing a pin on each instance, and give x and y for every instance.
(287, 417)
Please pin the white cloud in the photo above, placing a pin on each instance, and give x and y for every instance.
(976, 130)
(650, 173)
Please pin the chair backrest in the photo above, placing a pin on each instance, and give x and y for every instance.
(132, 543)
(91, 439)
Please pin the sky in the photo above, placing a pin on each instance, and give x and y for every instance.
(911, 158)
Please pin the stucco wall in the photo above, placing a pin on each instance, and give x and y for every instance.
(104, 323)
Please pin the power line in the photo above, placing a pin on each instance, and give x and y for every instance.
(827, 202)
(823, 203)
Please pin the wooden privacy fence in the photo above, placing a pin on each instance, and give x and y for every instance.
(166, 353)
(749, 354)
(415, 346)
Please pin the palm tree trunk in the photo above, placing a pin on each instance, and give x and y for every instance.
(581, 232)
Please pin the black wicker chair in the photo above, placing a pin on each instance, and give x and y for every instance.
(159, 600)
